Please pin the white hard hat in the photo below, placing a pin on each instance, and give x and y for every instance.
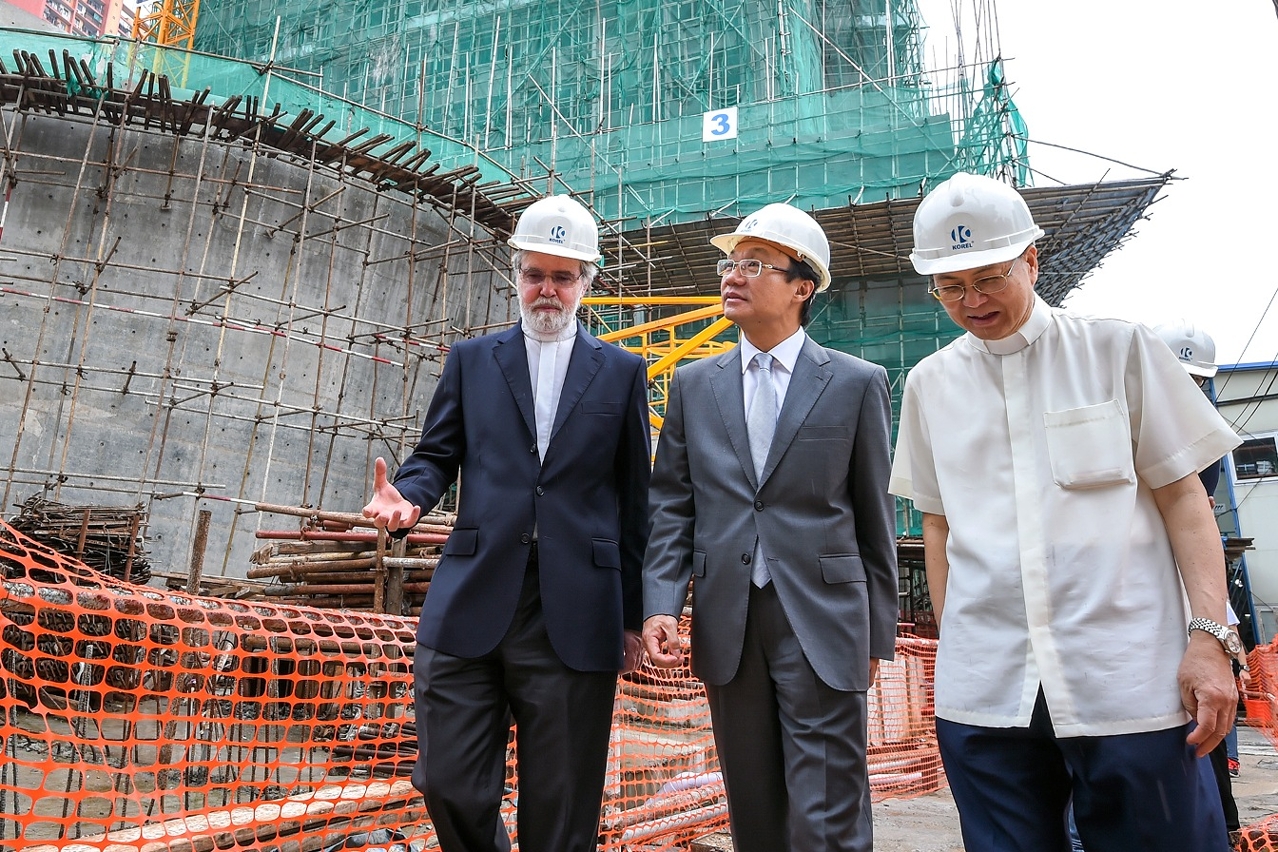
(558, 225)
(970, 221)
(1193, 346)
(788, 227)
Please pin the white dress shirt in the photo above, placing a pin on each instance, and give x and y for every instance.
(784, 356)
(546, 398)
(1041, 451)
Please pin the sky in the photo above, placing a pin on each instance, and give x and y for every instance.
(1162, 86)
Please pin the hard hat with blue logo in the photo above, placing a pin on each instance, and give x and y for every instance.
(558, 225)
(1192, 346)
(970, 221)
(789, 228)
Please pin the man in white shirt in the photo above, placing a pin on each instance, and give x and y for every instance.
(1074, 563)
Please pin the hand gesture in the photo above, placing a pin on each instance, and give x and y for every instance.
(388, 509)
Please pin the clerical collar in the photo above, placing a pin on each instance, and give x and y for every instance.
(569, 332)
(1039, 319)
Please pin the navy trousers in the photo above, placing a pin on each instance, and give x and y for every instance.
(1131, 792)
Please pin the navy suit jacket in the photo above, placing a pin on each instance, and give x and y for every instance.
(588, 500)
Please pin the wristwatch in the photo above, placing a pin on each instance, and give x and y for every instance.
(1228, 639)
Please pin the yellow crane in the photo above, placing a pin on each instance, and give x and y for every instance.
(168, 23)
(665, 341)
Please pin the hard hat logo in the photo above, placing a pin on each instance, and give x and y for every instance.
(1192, 346)
(970, 221)
(558, 234)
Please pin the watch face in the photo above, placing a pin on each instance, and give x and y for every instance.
(1232, 642)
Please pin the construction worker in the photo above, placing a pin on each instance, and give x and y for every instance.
(1055, 461)
(1196, 351)
(536, 602)
(770, 488)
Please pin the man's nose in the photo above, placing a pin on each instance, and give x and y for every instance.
(972, 297)
(547, 287)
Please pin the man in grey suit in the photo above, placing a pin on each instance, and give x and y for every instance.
(770, 489)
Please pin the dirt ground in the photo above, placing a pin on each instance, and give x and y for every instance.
(930, 823)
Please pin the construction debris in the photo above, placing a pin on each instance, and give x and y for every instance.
(108, 539)
(340, 560)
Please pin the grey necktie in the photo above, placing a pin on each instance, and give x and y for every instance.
(762, 419)
(761, 422)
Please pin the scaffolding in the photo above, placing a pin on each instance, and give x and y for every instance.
(828, 103)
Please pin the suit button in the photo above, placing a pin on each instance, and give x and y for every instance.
(745, 559)
(758, 505)
(525, 538)
(540, 491)
(533, 448)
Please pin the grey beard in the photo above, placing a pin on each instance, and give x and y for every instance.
(541, 322)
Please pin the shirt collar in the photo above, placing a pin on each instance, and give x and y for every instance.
(786, 353)
(569, 332)
(1039, 319)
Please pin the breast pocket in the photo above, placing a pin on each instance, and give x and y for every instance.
(1090, 447)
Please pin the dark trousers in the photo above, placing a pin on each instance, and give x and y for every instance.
(1220, 769)
(1131, 792)
(562, 718)
(792, 749)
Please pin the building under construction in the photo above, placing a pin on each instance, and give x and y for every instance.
(232, 279)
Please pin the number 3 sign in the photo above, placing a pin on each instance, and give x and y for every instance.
(719, 124)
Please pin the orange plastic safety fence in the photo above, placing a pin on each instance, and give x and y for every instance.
(135, 719)
(1260, 689)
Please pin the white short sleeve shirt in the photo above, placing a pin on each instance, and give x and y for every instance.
(1041, 451)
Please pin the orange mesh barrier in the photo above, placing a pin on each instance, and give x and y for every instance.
(1260, 690)
(135, 719)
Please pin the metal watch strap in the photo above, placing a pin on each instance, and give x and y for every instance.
(1214, 629)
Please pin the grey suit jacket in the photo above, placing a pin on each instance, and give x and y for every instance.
(821, 512)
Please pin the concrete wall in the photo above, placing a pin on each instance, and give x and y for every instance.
(132, 375)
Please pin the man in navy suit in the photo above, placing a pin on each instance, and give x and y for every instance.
(536, 603)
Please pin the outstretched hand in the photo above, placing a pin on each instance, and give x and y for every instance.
(388, 509)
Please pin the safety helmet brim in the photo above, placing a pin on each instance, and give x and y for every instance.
(926, 264)
(727, 243)
(1204, 370)
(528, 243)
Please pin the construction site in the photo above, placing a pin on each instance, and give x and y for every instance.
(234, 254)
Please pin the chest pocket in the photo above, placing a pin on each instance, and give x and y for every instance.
(1090, 447)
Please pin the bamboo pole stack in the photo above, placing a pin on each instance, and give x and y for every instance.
(340, 560)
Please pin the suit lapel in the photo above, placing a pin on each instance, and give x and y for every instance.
(806, 385)
(512, 359)
(586, 359)
(726, 384)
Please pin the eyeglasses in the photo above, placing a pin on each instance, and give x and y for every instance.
(536, 277)
(987, 286)
(749, 268)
